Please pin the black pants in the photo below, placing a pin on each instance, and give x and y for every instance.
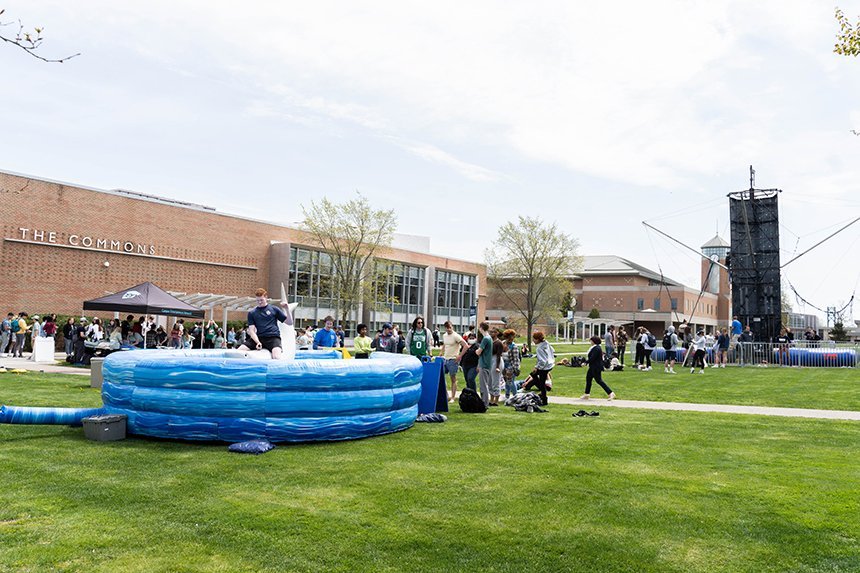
(539, 380)
(643, 355)
(597, 376)
(699, 358)
(622, 350)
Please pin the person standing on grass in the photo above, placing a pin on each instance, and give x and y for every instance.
(453, 349)
(595, 371)
(496, 369)
(670, 343)
(609, 340)
(511, 360)
(485, 362)
(326, 337)
(545, 363)
(698, 349)
(419, 339)
(722, 349)
(362, 344)
(621, 339)
(469, 362)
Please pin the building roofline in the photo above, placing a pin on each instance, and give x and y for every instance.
(198, 207)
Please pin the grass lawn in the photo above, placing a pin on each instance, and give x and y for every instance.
(631, 490)
(818, 388)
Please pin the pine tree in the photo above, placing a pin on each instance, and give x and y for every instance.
(837, 333)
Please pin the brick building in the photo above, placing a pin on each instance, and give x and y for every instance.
(63, 244)
(624, 292)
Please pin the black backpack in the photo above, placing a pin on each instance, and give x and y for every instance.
(652, 342)
(471, 403)
(667, 341)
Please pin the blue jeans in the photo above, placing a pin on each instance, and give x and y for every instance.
(471, 374)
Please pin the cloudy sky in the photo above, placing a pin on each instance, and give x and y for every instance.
(460, 116)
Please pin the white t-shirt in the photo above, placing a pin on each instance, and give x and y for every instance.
(451, 345)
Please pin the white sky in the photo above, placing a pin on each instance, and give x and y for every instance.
(460, 116)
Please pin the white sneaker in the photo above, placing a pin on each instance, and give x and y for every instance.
(585, 397)
(648, 369)
(701, 371)
(692, 370)
(611, 396)
(671, 371)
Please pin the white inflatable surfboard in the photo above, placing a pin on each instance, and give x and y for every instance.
(287, 328)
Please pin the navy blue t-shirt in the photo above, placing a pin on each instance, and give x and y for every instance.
(266, 318)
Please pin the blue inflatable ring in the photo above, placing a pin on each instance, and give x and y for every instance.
(226, 396)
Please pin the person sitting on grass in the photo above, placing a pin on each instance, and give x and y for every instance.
(595, 370)
(615, 364)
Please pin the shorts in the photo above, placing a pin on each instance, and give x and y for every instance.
(268, 342)
(452, 366)
(670, 355)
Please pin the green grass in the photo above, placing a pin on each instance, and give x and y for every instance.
(818, 388)
(632, 490)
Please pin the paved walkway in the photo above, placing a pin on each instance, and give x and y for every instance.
(725, 408)
(25, 364)
(53, 367)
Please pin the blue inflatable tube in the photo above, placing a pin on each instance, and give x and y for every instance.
(228, 396)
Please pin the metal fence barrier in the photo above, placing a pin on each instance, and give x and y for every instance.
(821, 354)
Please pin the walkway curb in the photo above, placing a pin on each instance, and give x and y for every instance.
(722, 408)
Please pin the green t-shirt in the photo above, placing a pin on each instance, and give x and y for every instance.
(486, 358)
(418, 343)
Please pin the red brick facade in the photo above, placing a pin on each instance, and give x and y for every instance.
(57, 239)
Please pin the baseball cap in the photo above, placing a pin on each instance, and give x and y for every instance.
(386, 325)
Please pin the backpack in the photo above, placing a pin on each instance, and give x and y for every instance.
(667, 341)
(471, 403)
(652, 342)
(14, 326)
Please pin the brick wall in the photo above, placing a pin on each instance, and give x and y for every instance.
(48, 276)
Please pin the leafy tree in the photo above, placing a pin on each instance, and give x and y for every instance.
(566, 303)
(838, 332)
(29, 41)
(595, 313)
(848, 40)
(352, 234)
(531, 263)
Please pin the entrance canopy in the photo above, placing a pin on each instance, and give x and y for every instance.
(145, 298)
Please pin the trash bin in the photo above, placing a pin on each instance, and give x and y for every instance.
(96, 378)
(105, 428)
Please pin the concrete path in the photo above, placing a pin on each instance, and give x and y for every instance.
(725, 408)
(53, 367)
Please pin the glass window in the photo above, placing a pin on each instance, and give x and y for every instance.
(656, 304)
(674, 304)
(640, 303)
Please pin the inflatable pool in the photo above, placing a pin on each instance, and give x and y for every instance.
(231, 396)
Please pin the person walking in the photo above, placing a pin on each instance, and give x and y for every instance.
(595, 371)
(453, 349)
(545, 363)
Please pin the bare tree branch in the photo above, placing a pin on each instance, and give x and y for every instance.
(30, 41)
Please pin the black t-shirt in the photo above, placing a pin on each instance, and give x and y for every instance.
(266, 318)
(126, 327)
(470, 357)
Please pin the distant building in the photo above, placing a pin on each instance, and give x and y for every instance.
(624, 292)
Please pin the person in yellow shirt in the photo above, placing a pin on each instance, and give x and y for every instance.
(21, 335)
(362, 342)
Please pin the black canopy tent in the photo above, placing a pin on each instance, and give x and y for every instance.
(145, 298)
